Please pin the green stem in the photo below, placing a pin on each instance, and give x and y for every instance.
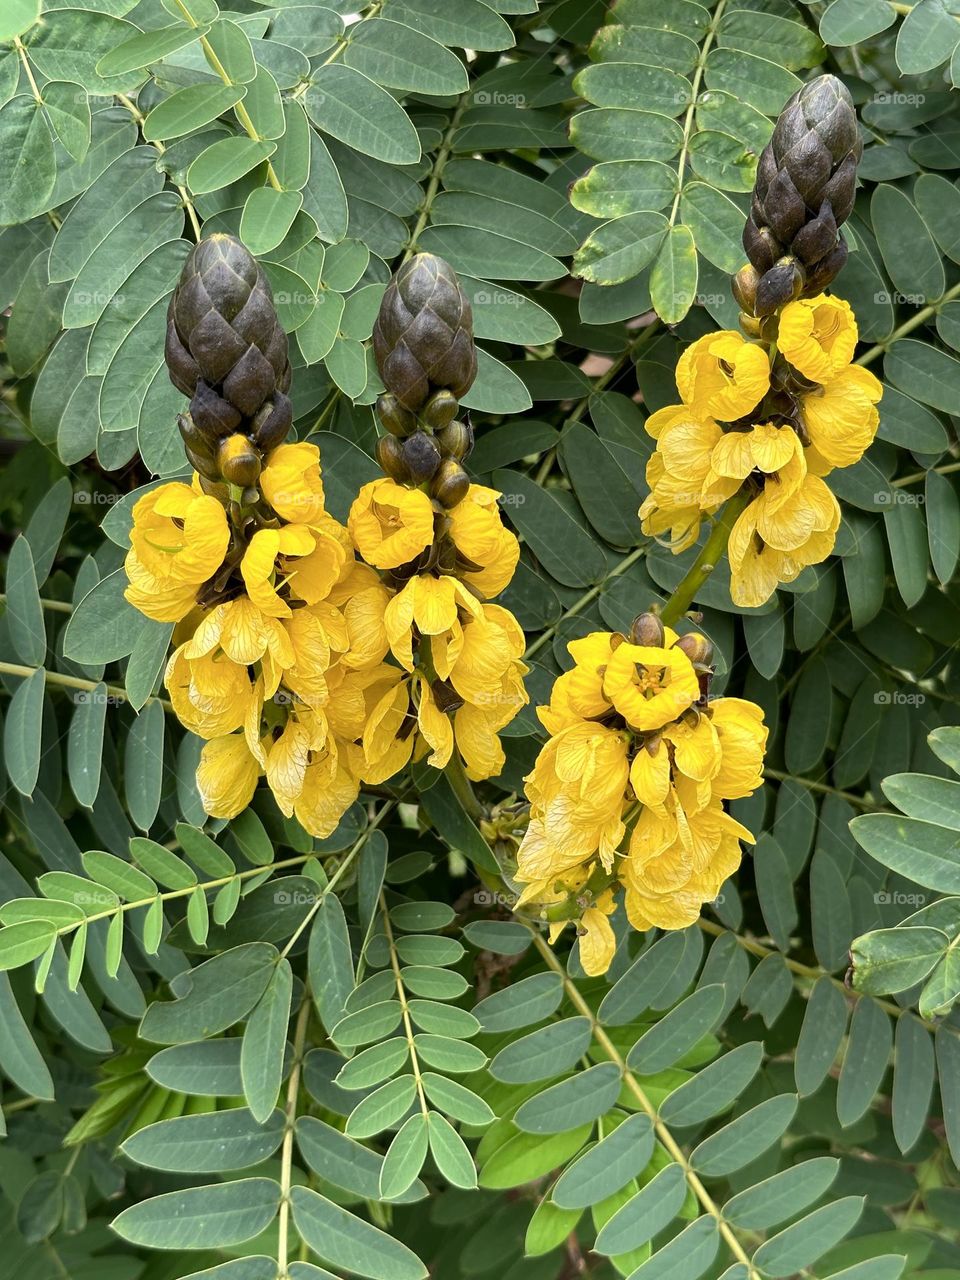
(286, 1154)
(74, 682)
(710, 556)
(461, 786)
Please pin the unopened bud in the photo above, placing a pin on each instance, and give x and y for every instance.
(647, 630)
(397, 420)
(451, 483)
(745, 287)
(390, 457)
(238, 461)
(781, 284)
(271, 423)
(446, 697)
(440, 409)
(697, 648)
(422, 457)
(456, 440)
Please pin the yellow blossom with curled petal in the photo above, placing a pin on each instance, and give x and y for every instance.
(330, 787)
(743, 740)
(765, 448)
(480, 536)
(388, 734)
(818, 336)
(178, 541)
(312, 577)
(723, 375)
(841, 419)
(434, 725)
(429, 603)
(291, 482)
(259, 564)
(676, 473)
(390, 524)
(772, 543)
(650, 686)
(210, 694)
(227, 776)
(246, 635)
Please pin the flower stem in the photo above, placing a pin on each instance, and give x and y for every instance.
(710, 556)
(460, 783)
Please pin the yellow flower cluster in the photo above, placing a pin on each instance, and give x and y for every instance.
(300, 663)
(629, 790)
(279, 670)
(460, 675)
(771, 426)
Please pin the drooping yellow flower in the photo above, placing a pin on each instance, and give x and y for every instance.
(723, 376)
(291, 482)
(676, 473)
(259, 564)
(429, 603)
(210, 694)
(390, 524)
(767, 449)
(227, 776)
(774, 542)
(482, 539)
(246, 635)
(818, 336)
(178, 541)
(841, 419)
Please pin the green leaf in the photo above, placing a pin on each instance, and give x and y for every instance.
(22, 732)
(18, 17)
(677, 1032)
(27, 163)
(211, 1217)
(212, 1143)
(526, 1002)
(550, 528)
(223, 990)
(543, 1054)
(607, 1167)
(450, 1153)
(68, 111)
(583, 1097)
(744, 1139)
(189, 109)
(350, 106)
(147, 47)
(644, 1214)
(920, 851)
(404, 1159)
(225, 161)
(382, 1108)
(265, 1042)
(21, 943)
(892, 960)
(673, 279)
(865, 1060)
(343, 1240)
(619, 249)
(781, 1196)
(456, 1100)
(398, 57)
(330, 962)
(24, 613)
(802, 1243)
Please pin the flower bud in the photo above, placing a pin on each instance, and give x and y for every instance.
(697, 648)
(456, 440)
(647, 630)
(397, 420)
(423, 336)
(271, 423)
(745, 287)
(440, 409)
(446, 697)
(450, 484)
(390, 457)
(781, 284)
(422, 457)
(238, 461)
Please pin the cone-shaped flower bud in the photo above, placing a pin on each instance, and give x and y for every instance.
(456, 440)
(225, 346)
(647, 630)
(239, 461)
(397, 420)
(805, 187)
(423, 337)
(440, 409)
(390, 457)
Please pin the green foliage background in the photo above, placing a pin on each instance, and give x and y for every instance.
(755, 1114)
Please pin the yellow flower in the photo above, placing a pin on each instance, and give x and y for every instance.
(388, 735)
(313, 576)
(329, 789)
(483, 541)
(676, 473)
(818, 336)
(650, 686)
(178, 540)
(258, 568)
(743, 741)
(210, 694)
(765, 448)
(576, 791)
(841, 419)
(227, 776)
(246, 635)
(435, 725)
(773, 542)
(390, 524)
(431, 604)
(291, 483)
(722, 375)
(598, 942)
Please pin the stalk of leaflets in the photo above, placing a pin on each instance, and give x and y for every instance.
(437, 539)
(767, 413)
